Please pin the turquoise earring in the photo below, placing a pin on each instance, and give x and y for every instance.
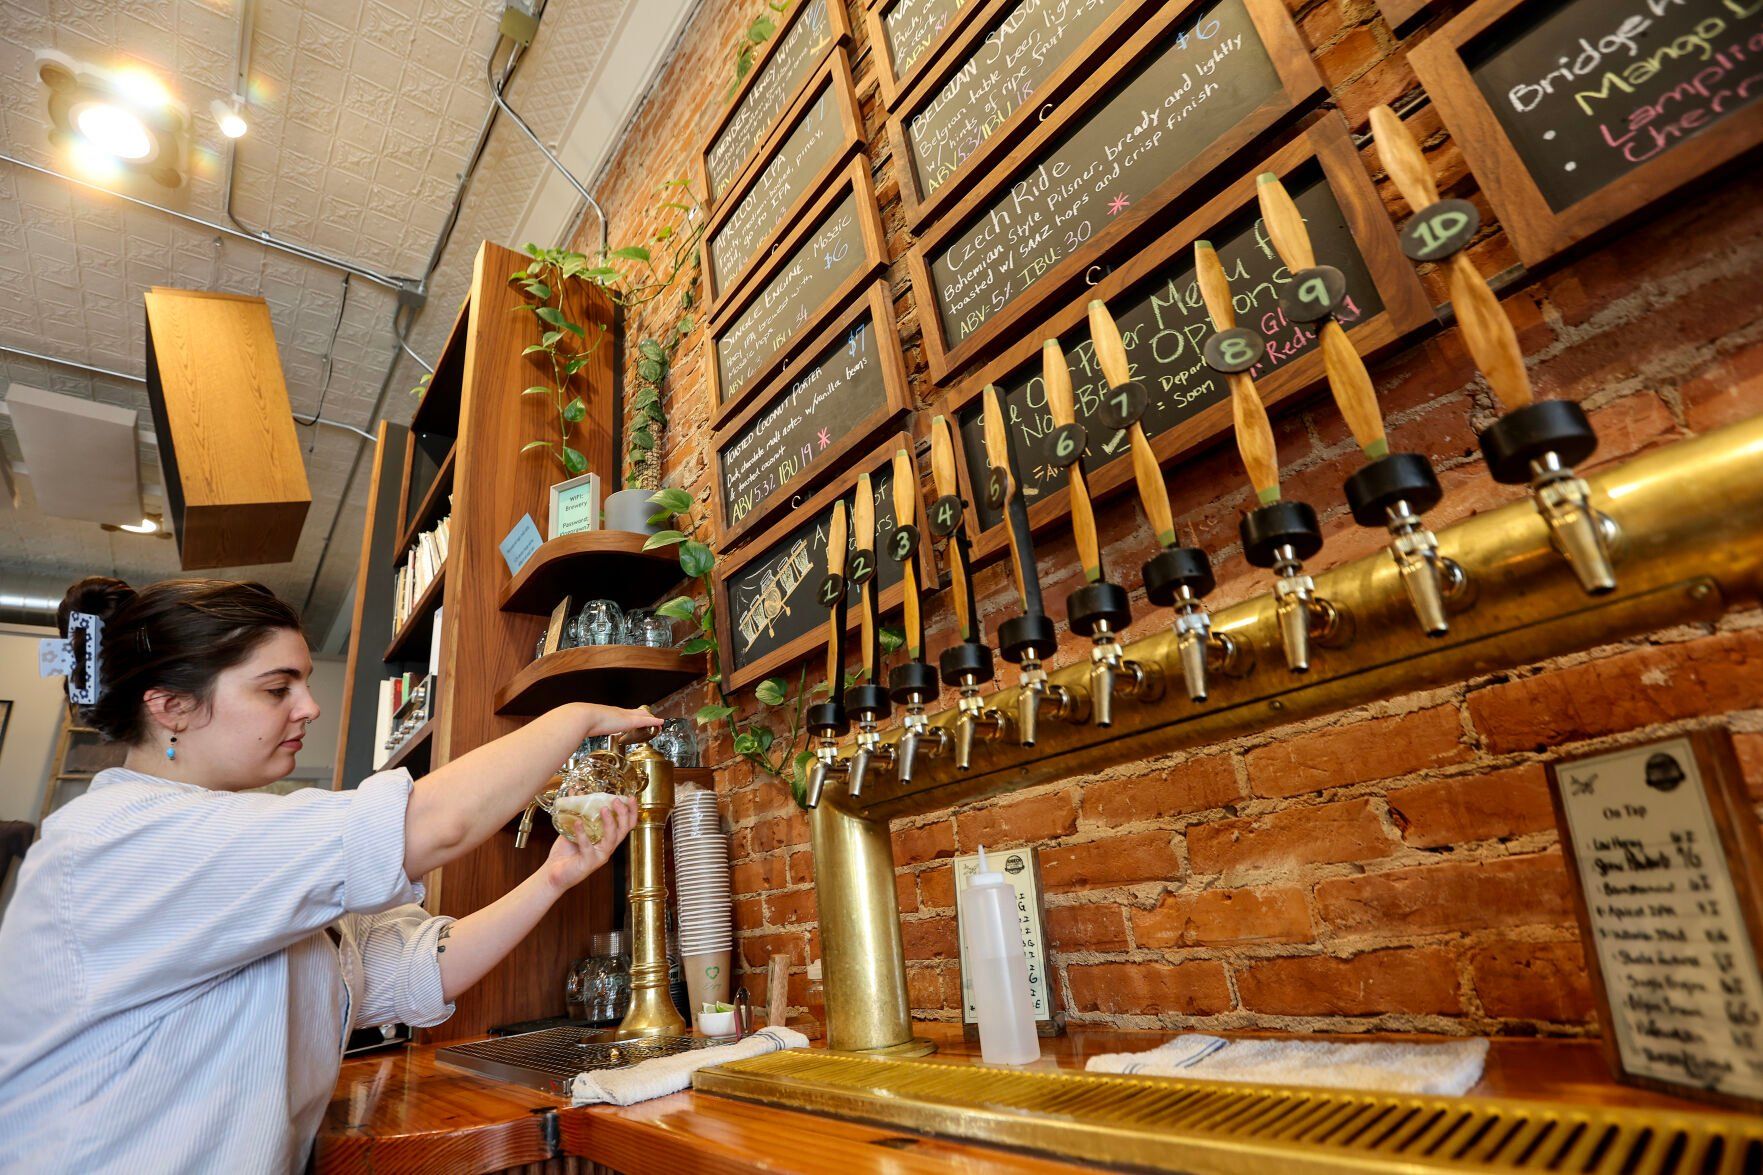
(171, 752)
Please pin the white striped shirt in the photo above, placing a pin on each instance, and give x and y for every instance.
(169, 999)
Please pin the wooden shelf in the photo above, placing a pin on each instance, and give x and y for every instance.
(439, 410)
(417, 742)
(622, 675)
(419, 623)
(593, 565)
(427, 513)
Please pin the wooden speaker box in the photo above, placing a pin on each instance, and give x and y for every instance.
(235, 487)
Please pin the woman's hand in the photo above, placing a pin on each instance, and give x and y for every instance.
(616, 720)
(570, 861)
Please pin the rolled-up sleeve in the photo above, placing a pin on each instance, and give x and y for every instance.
(401, 968)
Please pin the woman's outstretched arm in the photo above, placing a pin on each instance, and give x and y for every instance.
(457, 807)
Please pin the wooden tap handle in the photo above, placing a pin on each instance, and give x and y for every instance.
(998, 457)
(1056, 373)
(1105, 339)
(1402, 158)
(942, 468)
(863, 530)
(1147, 474)
(1254, 432)
(1285, 224)
(835, 565)
(905, 487)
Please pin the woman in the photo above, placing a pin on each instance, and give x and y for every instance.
(181, 964)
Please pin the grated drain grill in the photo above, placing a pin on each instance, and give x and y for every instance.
(549, 1060)
(1212, 1128)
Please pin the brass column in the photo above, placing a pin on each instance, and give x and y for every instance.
(862, 959)
(651, 1012)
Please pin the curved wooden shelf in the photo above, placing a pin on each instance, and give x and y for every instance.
(593, 565)
(620, 675)
(412, 641)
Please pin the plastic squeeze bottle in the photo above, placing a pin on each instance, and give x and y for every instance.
(998, 969)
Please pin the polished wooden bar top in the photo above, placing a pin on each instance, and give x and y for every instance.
(400, 1111)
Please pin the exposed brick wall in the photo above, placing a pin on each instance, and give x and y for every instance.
(1394, 866)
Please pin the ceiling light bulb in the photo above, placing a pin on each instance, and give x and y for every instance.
(114, 131)
(141, 88)
(232, 124)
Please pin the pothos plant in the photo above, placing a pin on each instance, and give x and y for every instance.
(757, 33)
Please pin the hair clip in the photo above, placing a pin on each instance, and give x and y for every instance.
(75, 657)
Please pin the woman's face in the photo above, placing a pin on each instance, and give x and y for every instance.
(249, 734)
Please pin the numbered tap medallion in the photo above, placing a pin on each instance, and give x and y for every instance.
(945, 516)
(862, 567)
(1065, 445)
(1235, 350)
(903, 544)
(997, 488)
(831, 591)
(1439, 230)
(1314, 294)
(1123, 405)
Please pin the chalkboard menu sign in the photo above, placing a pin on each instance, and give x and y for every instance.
(1177, 105)
(902, 32)
(836, 246)
(849, 383)
(1575, 113)
(1164, 324)
(1663, 849)
(824, 131)
(767, 610)
(811, 27)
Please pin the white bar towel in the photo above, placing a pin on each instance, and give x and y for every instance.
(1387, 1067)
(665, 1075)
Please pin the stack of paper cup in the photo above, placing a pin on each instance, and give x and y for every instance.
(706, 913)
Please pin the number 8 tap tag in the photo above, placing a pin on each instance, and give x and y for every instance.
(1232, 351)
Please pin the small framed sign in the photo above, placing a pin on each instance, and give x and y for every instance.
(1022, 869)
(554, 630)
(575, 505)
(1667, 869)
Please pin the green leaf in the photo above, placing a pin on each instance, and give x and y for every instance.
(662, 233)
(695, 558)
(771, 691)
(645, 398)
(652, 349)
(650, 370)
(663, 538)
(766, 738)
(714, 712)
(761, 28)
(537, 390)
(707, 620)
(697, 645)
(746, 744)
(891, 638)
(600, 272)
(574, 410)
(535, 347)
(539, 290)
(549, 339)
(551, 315)
(672, 499)
(574, 462)
(678, 608)
(654, 414)
(684, 326)
(535, 445)
(630, 253)
(642, 440)
(574, 329)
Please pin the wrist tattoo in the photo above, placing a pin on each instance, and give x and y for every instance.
(441, 939)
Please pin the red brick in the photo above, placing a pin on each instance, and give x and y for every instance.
(1216, 917)
(749, 914)
(1342, 755)
(758, 875)
(1728, 391)
(1661, 683)
(1345, 831)
(756, 950)
(936, 887)
(791, 909)
(1750, 754)
(802, 868)
(1097, 926)
(925, 988)
(1533, 981)
(927, 842)
(1193, 786)
(1150, 989)
(930, 938)
(1012, 822)
(772, 833)
(1116, 860)
(906, 892)
(1629, 425)
(1418, 982)
(1458, 811)
(1449, 895)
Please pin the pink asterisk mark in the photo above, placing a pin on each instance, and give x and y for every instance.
(824, 438)
(1118, 205)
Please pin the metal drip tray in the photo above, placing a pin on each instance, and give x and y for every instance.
(549, 1060)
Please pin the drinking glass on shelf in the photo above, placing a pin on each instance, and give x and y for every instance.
(600, 622)
(676, 740)
(645, 626)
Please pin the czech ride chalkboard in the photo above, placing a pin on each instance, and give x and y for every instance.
(759, 107)
(1164, 324)
(1591, 89)
(1018, 54)
(1209, 76)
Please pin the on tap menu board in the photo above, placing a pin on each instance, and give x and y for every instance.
(811, 28)
(910, 26)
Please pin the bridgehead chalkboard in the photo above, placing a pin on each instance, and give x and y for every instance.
(911, 25)
(1211, 74)
(1163, 323)
(1022, 47)
(760, 105)
(1590, 90)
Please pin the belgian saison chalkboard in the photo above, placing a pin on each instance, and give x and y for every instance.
(813, 142)
(819, 265)
(1211, 74)
(1019, 52)
(770, 599)
(1163, 323)
(839, 387)
(911, 25)
(1589, 90)
(759, 108)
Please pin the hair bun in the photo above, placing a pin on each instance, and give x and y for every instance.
(101, 595)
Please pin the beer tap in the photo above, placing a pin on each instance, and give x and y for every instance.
(967, 664)
(914, 683)
(1394, 489)
(867, 701)
(1025, 640)
(1099, 610)
(826, 720)
(1175, 577)
(1278, 534)
(1534, 442)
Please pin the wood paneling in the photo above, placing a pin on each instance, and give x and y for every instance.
(370, 625)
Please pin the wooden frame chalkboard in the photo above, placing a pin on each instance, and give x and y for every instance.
(1299, 85)
(833, 81)
(1538, 229)
(1324, 153)
(854, 186)
(773, 91)
(878, 463)
(952, 59)
(890, 79)
(875, 307)
(1617, 828)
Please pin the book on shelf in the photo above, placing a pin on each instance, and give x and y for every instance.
(421, 563)
(382, 725)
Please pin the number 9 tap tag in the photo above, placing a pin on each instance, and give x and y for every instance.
(1314, 294)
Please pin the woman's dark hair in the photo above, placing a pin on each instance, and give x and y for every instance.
(176, 635)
